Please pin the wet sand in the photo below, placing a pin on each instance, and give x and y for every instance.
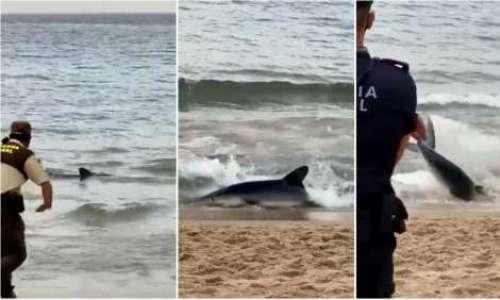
(102, 290)
(256, 258)
(453, 254)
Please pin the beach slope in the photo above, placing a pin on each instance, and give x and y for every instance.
(452, 255)
(305, 259)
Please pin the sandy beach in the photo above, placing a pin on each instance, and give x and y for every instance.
(265, 259)
(450, 254)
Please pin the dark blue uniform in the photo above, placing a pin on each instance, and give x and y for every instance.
(386, 104)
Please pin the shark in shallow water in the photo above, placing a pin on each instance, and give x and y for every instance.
(288, 191)
(452, 176)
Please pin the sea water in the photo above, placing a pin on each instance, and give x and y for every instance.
(99, 92)
(265, 88)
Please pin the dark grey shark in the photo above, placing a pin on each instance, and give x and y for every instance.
(286, 192)
(453, 177)
(83, 174)
(86, 173)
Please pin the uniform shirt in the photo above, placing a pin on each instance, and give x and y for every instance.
(386, 104)
(12, 178)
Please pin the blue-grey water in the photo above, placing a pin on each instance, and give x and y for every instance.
(452, 48)
(100, 93)
(266, 87)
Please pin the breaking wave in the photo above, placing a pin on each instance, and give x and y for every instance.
(98, 214)
(253, 94)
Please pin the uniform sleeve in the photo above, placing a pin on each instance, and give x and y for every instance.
(35, 171)
(411, 104)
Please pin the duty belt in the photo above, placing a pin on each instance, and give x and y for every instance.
(12, 202)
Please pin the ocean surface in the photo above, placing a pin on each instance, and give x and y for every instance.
(452, 48)
(99, 92)
(265, 88)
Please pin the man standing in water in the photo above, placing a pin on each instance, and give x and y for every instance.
(18, 165)
(386, 117)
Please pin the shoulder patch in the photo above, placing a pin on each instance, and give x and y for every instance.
(396, 63)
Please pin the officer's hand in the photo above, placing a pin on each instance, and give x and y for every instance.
(419, 133)
(42, 207)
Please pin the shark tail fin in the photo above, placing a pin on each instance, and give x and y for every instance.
(431, 135)
(430, 141)
(84, 173)
(296, 177)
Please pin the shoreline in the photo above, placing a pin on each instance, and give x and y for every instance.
(453, 208)
(250, 213)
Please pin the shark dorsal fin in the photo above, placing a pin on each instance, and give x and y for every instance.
(296, 177)
(84, 173)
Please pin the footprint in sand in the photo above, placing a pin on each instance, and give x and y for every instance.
(327, 238)
(238, 266)
(328, 263)
(276, 247)
(342, 237)
(295, 265)
(325, 279)
(185, 256)
(235, 240)
(403, 272)
(479, 265)
(445, 277)
(467, 291)
(257, 285)
(214, 280)
(205, 270)
(192, 233)
(206, 292)
(291, 273)
(308, 287)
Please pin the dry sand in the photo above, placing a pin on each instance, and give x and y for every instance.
(452, 255)
(265, 259)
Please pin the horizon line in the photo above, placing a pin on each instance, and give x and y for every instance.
(85, 14)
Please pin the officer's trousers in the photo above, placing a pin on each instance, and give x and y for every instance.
(374, 252)
(13, 247)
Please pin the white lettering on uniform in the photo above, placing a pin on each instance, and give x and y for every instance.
(370, 94)
(362, 105)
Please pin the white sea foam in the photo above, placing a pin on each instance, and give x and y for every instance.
(476, 153)
(319, 184)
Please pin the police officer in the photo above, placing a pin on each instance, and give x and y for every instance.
(386, 118)
(18, 165)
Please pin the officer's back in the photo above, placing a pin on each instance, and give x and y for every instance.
(386, 102)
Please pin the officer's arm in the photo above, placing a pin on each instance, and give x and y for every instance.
(419, 133)
(47, 196)
(415, 126)
(37, 174)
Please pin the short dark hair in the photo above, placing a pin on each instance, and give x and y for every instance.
(21, 131)
(362, 11)
(363, 5)
(23, 127)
